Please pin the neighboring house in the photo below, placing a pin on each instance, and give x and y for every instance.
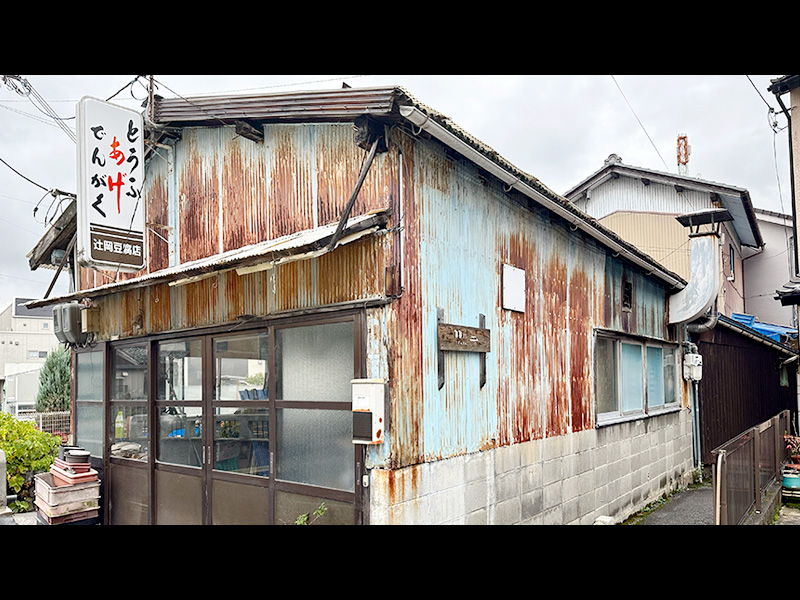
(769, 268)
(473, 349)
(745, 380)
(26, 338)
(642, 206)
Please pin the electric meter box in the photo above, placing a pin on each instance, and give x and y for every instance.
(369, 410)
(67, 323)
(692, 367)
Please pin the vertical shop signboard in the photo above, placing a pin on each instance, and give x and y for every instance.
(111, 211)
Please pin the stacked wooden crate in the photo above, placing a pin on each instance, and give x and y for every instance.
(70, 492)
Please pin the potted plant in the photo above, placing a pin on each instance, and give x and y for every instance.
(793, 446)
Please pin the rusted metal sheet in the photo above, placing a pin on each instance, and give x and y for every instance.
(331, 105)
(539, 374)
(198, 205)
(311, 171)
(242, 193)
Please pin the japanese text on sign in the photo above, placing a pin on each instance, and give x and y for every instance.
(110, 174)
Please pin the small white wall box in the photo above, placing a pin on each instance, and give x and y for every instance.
(692, 367)
(513, 288)
(369, 410)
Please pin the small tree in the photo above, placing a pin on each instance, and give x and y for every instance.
(54, 382)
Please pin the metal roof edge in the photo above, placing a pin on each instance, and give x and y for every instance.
(302, 244)
(464, 143)
(675, 179)
(759, 337)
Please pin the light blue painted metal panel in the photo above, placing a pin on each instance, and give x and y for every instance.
(539, 378)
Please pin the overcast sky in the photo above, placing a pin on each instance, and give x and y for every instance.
(557, 128)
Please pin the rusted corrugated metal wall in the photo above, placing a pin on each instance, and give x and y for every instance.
(224, 192)
(451, 231)
(459, 229)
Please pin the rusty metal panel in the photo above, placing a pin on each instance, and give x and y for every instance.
(539, 379)
(290, 179)
(155, 194)
(325, 105)
(198, 205)
(243, 202)
(311, 172)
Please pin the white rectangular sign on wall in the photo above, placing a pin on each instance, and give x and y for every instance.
(111, 211)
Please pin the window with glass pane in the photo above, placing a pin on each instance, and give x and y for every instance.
(655, 376)
(606, 369)
(625, 370)
(129, 438)
(670, 375)
(631, 384)
(89, 402)
(241, 440)
(240, 365)
(315, 362)
(180, 435)
(129, 424)
(179, 428)
(129, 368)
(180, 373)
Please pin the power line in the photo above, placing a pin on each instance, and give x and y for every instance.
(23, 176)
(639, 121)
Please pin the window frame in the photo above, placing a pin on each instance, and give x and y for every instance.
(647, 408)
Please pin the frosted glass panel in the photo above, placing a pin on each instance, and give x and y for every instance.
(655, 377)
(89, 373)
(89, 433)
(315, 447)
(606, 369)
(670, 373)
(315, 362)
(632, 385)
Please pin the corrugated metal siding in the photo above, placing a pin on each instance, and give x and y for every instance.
(539, 370)
(352, 272)
(628, 194)
(330, 105)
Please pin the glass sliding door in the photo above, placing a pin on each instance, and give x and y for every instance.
(181, 447)
(315, 456)
(239, 491)
(244, 427)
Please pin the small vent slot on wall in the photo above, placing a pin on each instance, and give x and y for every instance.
(627, 295)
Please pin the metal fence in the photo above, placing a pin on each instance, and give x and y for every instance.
(57, 423)
(745, 466)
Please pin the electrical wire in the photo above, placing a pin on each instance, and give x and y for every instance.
(640, 122)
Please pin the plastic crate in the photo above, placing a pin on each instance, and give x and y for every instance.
(67, 508)
(55, 495)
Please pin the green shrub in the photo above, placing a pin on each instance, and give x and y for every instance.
(28, 451)
(54, 382)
